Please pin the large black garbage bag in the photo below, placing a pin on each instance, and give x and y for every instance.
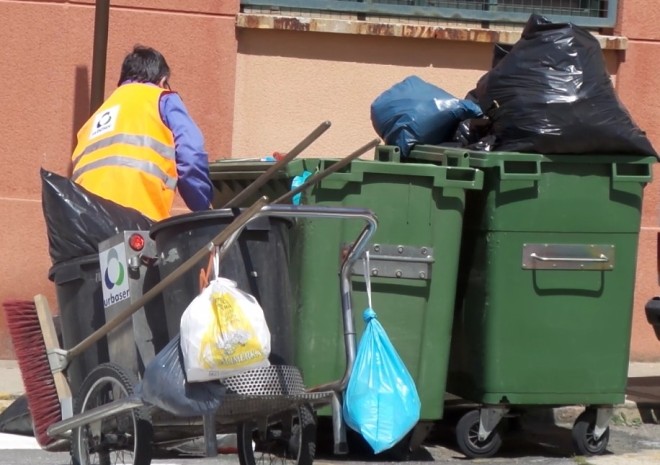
(414, 111)
(164, 386)
(78, 220)
(551, 93)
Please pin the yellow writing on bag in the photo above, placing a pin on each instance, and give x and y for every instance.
(230, 340)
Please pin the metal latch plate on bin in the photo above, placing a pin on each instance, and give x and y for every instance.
(397, 261)
(568, 257)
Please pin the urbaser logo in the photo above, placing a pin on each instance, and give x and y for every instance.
(115, 282)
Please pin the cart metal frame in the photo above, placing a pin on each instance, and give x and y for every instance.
(239, 390)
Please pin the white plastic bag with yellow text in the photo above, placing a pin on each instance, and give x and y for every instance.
(223, 333)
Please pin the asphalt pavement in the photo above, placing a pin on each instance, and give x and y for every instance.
(539, 439)
(638, 445)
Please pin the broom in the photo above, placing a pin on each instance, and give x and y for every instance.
(43, 388)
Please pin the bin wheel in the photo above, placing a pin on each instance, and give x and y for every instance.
(583, 435)
(467, 437)
(292, 440)
(122, 438)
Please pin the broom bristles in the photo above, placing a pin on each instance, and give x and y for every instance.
(30, 349)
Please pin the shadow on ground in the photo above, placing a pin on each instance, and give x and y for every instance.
(645, 392)
(532, 435)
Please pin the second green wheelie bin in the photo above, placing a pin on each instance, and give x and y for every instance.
(413, 260)
(546, 285)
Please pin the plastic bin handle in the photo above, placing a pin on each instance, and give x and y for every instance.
(461, 177)
(343, 177)
(447, 176)
(646, 176)
(508, 170)
(444, 156)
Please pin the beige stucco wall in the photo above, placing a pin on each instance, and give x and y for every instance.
(638, 88)
(287, 82)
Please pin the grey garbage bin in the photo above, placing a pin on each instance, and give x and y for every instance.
(258, 262)
(80, 301)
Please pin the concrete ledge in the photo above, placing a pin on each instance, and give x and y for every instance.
(414, 31)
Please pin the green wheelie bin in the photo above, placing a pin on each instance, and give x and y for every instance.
(545, 295)
(413, 262)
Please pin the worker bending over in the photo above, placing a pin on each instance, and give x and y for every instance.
(141, 144)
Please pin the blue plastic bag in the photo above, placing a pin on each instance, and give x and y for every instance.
(414, 111)
(381, 401)
(297, 182)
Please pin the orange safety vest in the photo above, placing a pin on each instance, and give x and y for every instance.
(125, 152)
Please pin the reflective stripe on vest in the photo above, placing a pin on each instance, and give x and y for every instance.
(139, 141)
(127, 162)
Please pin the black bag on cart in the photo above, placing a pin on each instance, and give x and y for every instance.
(78, 220)
(551, 93)
(164, 385)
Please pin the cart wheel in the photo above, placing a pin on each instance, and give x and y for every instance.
(122, 438)
(583, 435)
(467, 436)
(292, 440)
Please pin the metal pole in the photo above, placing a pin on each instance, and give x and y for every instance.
(316, 178)
(101, 19)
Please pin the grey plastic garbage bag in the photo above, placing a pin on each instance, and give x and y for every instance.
(164, 386)
(414, 111)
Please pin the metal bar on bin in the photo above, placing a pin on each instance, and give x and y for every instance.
(593, 257)
(328, 171)
(293, 153)
(223, 236)
(601, 258)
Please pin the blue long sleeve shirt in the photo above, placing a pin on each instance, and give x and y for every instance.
(192, 162)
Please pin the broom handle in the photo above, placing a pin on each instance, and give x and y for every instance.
(263, 178)
(328, 171)
(225, 234)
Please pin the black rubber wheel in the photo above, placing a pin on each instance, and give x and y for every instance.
(289, 441)
(583, 435)
(122, 438)
(467, 437)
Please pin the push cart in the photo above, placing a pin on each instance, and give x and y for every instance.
(269, 408)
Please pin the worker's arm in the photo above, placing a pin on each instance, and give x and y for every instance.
(192, 161)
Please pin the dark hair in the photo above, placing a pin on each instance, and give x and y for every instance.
(144, 64)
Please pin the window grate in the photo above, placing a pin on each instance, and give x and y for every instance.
(589, 13)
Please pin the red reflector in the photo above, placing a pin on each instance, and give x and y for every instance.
(136, 242)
